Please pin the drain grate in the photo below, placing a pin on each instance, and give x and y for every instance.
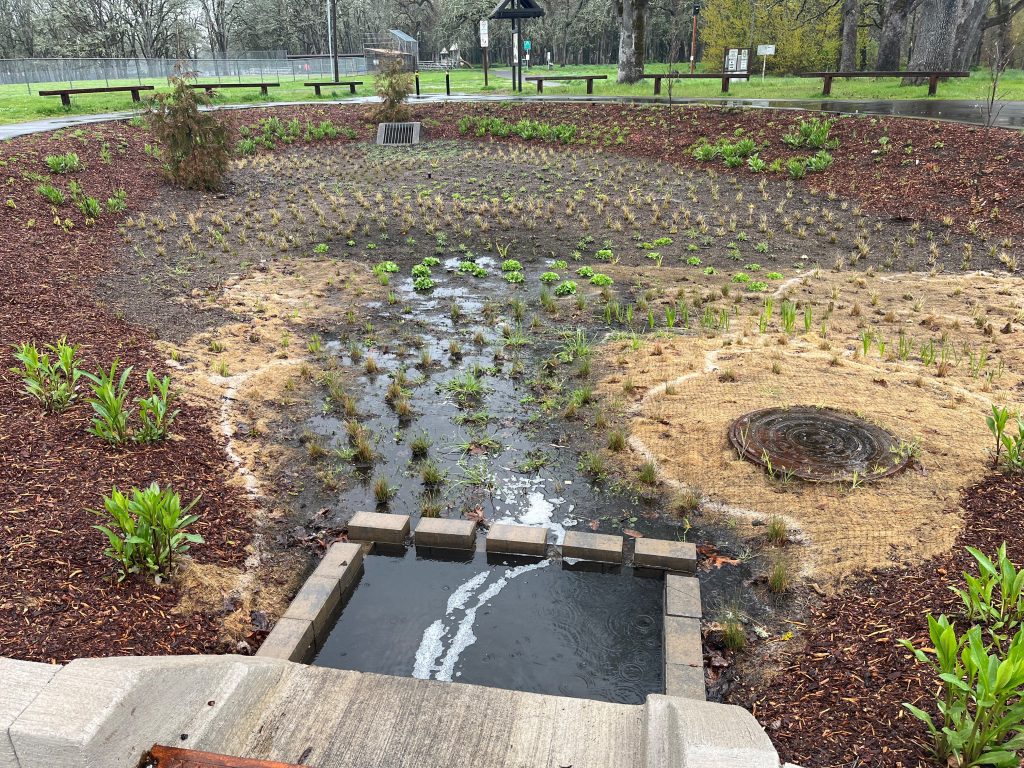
(817, 444)
(398, 134)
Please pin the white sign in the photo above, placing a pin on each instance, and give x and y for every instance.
(515, 48)
(744, 61)
(483, 33)
(766, 50)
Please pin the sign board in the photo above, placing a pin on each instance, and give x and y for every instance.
(483, 33)
(515, 48)
(737, 60)
(526, 45)
(766, 50)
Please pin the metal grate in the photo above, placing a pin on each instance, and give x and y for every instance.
(398, 134)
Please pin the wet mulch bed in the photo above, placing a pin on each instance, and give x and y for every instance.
(59, 597)
(836, 702)
(902, 167)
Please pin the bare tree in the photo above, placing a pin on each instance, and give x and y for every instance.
(218, 17)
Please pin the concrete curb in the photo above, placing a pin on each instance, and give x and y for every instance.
(683, 650)
(22, 682)
(105, 713)
(304, 627)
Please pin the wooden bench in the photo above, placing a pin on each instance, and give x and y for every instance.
(539, 79)
(933, 77)
(211, 87)
(350, 83)
(724, 76)
(66, 93)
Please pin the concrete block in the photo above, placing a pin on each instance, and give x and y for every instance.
(598, 547)
(446, 534)
(682, 596)
(343, 562)
(290, 640)
(379, 526)
(683, 642)
(20, 683)
(104, 713)
(686, 681)
(687, 733)
(679, 556)
(319, 602)
(517, 539)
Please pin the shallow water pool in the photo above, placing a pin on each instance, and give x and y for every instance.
(542, 626)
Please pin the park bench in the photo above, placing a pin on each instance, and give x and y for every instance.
(724, 76)
(211, 87)
(933, 77)
(66, 93)
(539, 79)
(350, 83)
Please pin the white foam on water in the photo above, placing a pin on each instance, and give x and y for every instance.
(431, 647)
(464, 635)
(461, 595)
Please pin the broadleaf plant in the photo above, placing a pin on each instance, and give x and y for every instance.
(145, 530)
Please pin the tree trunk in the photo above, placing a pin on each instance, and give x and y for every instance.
(848, 51)
(890, 39)
(631, 39)
(947, 34)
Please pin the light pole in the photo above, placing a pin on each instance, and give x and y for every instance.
(693, 40)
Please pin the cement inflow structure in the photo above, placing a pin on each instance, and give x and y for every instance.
(105, 713)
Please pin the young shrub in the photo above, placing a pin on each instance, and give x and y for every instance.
(69, 162)
(393, 85)
(980, 719)
(52, 383)
(146, 530)
(110, 403)
(155, 412)
(194, 146)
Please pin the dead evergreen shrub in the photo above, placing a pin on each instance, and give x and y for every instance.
(393, 85)
(193, 144)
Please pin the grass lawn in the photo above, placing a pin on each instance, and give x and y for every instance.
(19, 103)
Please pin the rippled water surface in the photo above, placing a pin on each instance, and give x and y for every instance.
(526, 625)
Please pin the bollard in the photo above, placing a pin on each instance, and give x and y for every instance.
(417, 83)
(447, 84)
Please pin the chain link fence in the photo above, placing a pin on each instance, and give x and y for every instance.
(78, 72)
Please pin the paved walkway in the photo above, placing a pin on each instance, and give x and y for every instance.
(1008, 114)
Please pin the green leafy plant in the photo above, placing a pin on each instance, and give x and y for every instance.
(50, 381)
(110, 404)
(69, 162)
(146, 530)
(193, 144)
(980, 715)
(155, 412)
(994, 598)
(996, 422)
(566, 288)
(54, 195)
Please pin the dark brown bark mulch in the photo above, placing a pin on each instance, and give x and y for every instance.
(59, 596)
(836, 702)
